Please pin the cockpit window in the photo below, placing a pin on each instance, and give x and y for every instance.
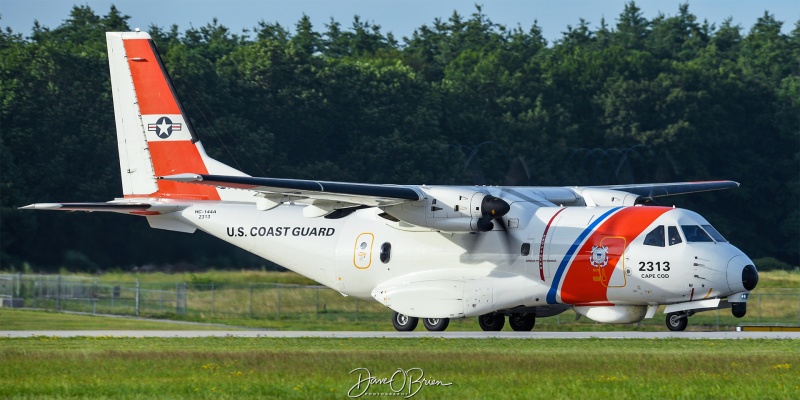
(674, 236)
(694, 233)
(655, 237)
(714, 233)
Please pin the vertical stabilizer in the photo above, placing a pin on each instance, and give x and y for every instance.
(154, 135)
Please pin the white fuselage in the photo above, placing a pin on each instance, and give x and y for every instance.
(582, 256)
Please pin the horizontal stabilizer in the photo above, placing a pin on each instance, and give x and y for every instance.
(671, 189)
(123, 208)
(354, 193)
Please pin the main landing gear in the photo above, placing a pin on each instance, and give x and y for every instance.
(404, 323)
(491, 322)
(436, 324)
(520, 322)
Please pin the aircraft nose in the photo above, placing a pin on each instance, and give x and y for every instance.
(749, 277)
(742, 274)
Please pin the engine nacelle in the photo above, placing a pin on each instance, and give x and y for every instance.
(612, 314)
(606, 197)
(452, 209)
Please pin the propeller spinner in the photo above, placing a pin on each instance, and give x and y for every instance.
(491, 208)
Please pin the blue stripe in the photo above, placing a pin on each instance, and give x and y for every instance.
(551, 294)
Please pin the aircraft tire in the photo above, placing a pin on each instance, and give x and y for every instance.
(522, 322)
(436, 324)
(404, 323)
(677, 321)
(492, 321)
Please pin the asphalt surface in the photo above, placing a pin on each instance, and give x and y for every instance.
(392, 334)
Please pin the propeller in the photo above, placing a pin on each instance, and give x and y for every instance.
(492, 208)
(648, 200)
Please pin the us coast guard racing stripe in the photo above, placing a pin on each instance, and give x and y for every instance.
(575, 280)
(551, 294)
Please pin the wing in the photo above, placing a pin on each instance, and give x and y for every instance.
(280, 190)
(324, 196)
(671, 189)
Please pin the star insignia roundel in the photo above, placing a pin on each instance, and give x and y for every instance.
(164, 127)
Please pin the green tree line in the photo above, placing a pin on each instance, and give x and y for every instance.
(461, 101)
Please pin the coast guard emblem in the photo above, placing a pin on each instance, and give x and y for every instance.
(599, 256)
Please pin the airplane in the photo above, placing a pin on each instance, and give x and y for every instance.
(426, 252)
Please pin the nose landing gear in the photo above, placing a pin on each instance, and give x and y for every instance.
(677, 321)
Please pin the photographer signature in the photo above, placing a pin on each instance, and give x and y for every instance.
(403, 382)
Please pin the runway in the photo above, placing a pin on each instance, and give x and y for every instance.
(400, 335)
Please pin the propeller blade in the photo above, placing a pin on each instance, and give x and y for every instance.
(506, 235)
(649, 200)
(485, 224)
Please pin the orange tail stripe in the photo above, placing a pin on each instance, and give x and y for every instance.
(177, 157)
(152, 91)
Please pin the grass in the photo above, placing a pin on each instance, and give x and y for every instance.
(321, 368)
(778, 279)
(13, 320)
(241, 277)
(246, 298)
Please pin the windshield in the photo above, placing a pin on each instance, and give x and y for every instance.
(694, 233)
(714, 233)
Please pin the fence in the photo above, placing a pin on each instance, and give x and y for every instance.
(279, 301)
(193, 301)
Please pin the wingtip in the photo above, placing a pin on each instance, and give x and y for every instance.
(41, 206)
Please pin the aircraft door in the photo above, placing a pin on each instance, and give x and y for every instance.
(362, 251)
(553, 245)
(356, 260)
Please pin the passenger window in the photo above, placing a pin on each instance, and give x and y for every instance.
(693, 233)
(526, 249)
(674, 236)
(386, 252)
(655, 237)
